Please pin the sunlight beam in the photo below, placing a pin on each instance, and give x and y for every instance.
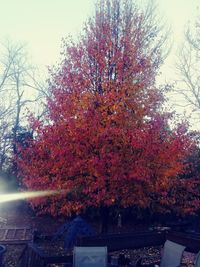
(25, 195)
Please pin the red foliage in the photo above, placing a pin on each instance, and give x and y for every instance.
(106, 143)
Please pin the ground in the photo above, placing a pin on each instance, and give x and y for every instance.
(18, 214)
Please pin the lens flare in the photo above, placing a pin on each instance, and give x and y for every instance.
(25, 195)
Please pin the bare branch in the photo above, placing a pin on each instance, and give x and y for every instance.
(20, 87)
(188, 69)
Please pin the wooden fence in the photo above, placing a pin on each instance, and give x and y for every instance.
(33, 256)
(121, 241)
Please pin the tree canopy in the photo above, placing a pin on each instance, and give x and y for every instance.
(104, 140)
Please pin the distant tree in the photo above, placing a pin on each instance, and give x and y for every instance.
(187, 86)
(19, 90)
(103, 140)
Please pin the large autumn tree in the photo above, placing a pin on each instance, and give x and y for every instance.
(104, 141)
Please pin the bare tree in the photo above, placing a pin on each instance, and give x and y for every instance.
(187, 86)
(19, 90)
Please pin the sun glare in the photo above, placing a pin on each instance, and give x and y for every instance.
(25, 195)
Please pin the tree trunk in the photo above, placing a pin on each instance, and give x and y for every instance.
(104, 216)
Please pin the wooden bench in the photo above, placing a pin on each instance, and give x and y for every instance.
(16, 235)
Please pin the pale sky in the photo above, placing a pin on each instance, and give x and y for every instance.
(41, 24)
(177, 13)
